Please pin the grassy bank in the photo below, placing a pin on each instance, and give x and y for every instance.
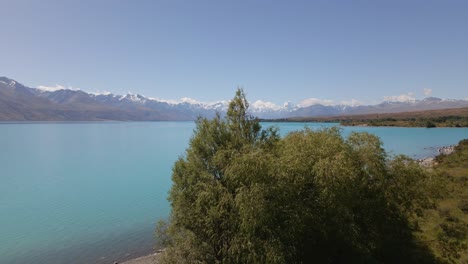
(445, 227)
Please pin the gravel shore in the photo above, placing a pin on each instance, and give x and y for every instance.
(430, 161)
(150, 259)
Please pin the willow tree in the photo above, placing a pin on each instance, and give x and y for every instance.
(241, 194)
(205, 220)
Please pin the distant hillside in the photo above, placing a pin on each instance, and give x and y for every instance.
(430, 103)
(22, 103)
(452, 117)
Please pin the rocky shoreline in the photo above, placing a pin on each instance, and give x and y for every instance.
(152, 258)
(430, 161)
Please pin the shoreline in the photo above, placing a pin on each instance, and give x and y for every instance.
(430, 161)
(152, 258)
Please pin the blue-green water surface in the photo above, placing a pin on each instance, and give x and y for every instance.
(92, 192)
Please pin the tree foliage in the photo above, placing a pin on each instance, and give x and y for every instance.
(241, 194)
(445, 226)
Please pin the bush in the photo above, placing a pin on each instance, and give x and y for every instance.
(244, 195)
(430, 124)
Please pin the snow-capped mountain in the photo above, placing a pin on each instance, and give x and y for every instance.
(18, 102)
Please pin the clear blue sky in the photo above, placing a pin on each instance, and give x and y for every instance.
(277, 50)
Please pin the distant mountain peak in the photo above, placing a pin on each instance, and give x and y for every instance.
(67, 103)
(55, 88)
(190, 101)
(138, 98)
(105, 93)
(7, 81)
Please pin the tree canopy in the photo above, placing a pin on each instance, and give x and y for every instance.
(243, 194)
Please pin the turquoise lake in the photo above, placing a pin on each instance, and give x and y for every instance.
(92, 192)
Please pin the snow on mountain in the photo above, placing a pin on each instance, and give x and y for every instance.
(403, 98)
(136, 98)
(97, 93)
(265, 109)
(67, 103)
(219, 105)
(261, 106)
(189, 100)
(55, 88)
(7, 82)
(315, 101)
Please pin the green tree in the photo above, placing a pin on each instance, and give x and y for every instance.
(241, 194)
(205, 212)
(430, 124)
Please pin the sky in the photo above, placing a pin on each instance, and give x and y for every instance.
(277, 51)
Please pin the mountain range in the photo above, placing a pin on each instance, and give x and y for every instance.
(22, 103)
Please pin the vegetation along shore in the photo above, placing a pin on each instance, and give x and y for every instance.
(455, 117)
(443, 227)
(242, 194)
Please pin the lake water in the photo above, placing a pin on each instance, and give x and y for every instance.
(92, 192)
